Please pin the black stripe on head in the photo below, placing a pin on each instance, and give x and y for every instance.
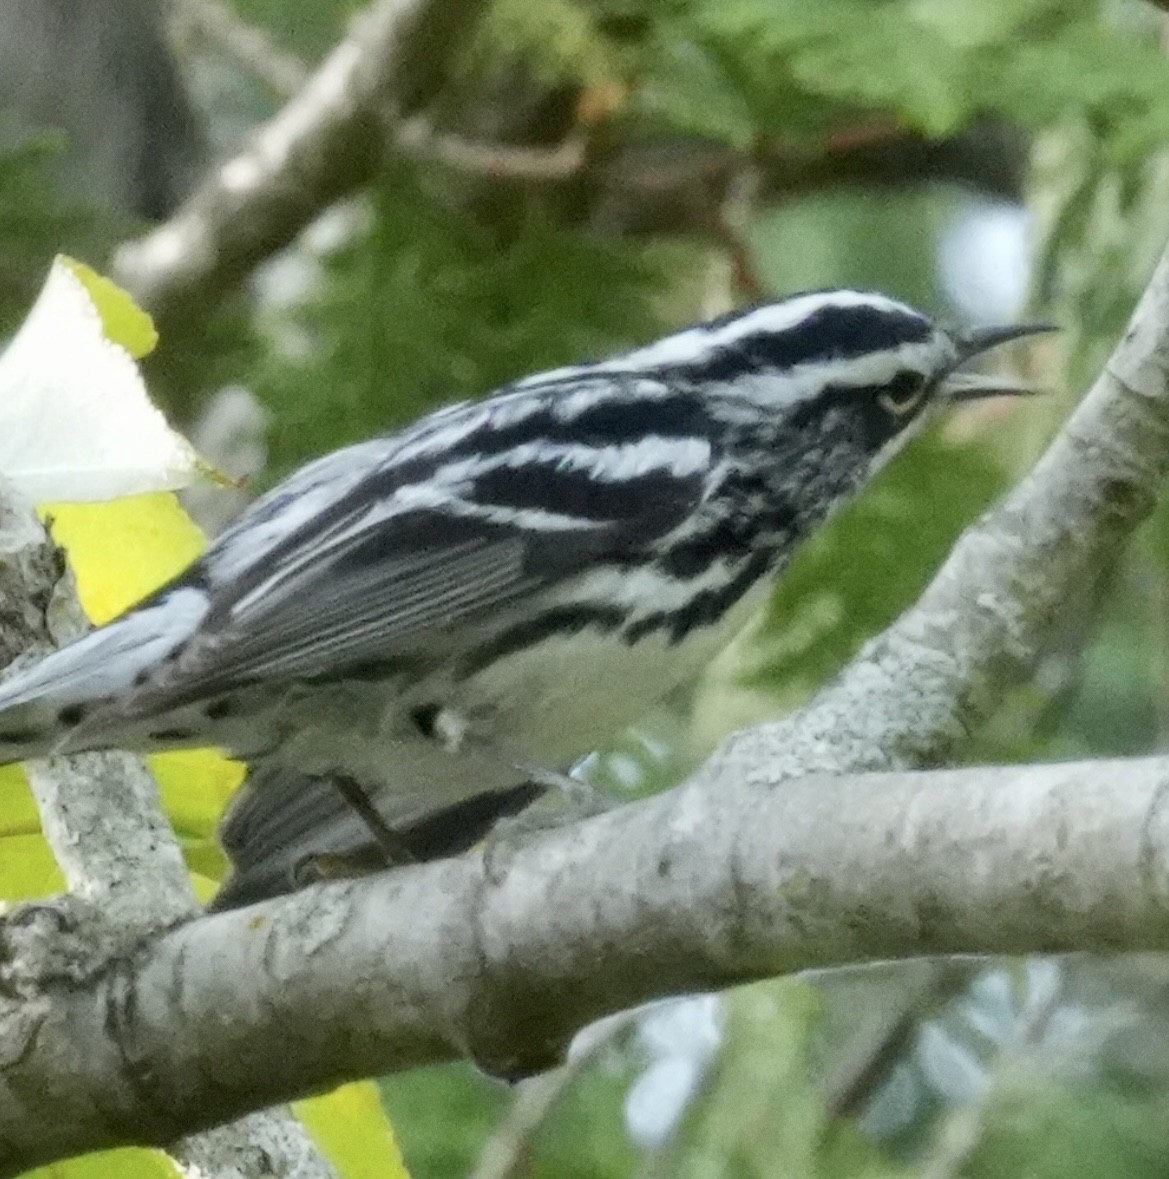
(861, 409)
(831, 332)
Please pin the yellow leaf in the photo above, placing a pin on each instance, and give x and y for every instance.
(130, 1162)
(18, 809)
(351, 1127)
(122, 550)
(205, 886)
(347, 1124)
(27, 868)
(195, 785)
(122, 320)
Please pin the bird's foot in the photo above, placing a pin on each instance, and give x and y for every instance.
(395, 850)
(320, 866)
(568, 800)
(582, 799)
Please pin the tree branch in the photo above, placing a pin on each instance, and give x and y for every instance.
(249, 45)
(502, 161)
(724, 880)
(365, 100)
(326, 141)
(716, 883)
(103, 819)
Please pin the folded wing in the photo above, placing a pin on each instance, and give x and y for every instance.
(397, 565)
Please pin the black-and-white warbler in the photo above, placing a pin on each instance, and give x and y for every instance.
(500, 585)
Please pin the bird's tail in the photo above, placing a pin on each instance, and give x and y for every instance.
(280, 819)
(43, 704)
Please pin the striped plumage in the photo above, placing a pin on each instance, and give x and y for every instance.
(504, 583)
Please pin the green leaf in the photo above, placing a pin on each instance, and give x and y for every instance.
(688, 87)
(892, 63)
(428, 306)
(122, 550)
(35, 222)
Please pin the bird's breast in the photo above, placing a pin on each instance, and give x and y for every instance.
(560, 698)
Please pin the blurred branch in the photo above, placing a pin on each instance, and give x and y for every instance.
(326, 140)
(678, 186)
(732, 232)
(364, 101)
(500, 161)
(873, 1053)
(963, 1128)
(504, 1149)
(248, 45)
(254, 49)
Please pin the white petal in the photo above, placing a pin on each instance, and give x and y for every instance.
(76, 422)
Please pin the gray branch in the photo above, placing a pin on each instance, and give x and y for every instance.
(327, 140)
(103, 819)
(716, 883)
(250, 46)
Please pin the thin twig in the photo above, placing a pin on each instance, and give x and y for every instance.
(962, 1128)
(504, 1150)
(248, 45)
(417, 138)
(254, 49)
(326, 140)
(870, 1057)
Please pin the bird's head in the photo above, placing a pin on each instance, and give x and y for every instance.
(837, 370)
(916, 370)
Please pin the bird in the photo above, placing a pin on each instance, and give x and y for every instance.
(402, 635)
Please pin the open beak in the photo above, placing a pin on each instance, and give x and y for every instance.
(960, 386)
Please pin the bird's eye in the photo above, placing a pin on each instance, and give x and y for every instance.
(903, 395)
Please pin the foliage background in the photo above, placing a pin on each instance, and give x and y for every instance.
(797, 146)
